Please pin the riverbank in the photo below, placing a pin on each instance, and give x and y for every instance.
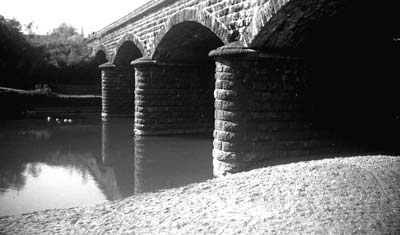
(18, 103)
(355, 195)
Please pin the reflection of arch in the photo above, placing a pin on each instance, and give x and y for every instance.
(193, 16)
(130, 42)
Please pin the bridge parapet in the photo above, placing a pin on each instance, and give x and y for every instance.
(149, 22)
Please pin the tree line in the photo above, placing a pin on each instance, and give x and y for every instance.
(60, 57)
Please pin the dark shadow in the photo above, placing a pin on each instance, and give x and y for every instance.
(100, 58)
(353, 80)
(183, 52)
(126, 53)
(352, 73)
(188, 42)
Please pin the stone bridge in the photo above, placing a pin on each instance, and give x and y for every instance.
(269, 78)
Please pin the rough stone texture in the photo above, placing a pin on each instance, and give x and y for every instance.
(117, 91)
(258, 23)
(148, 24)
(260, 103)
(172, 98)
(261, 111)
(359, 195)
(290, 26)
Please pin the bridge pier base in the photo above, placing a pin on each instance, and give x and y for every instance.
(261, 113)
(117, 84)
(172, 98)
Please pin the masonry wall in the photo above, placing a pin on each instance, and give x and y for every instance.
(262, 113)
(234, 14)
(174, 99)
(118, 92)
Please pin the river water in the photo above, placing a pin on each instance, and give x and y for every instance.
(56, 164)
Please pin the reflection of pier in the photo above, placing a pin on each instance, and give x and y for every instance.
(166, 162)
(117, 157)
(119, 165)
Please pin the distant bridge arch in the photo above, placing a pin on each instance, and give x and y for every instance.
(101, 51)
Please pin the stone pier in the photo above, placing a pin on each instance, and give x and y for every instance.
(261, 112)
(172, 98)
(117, 84)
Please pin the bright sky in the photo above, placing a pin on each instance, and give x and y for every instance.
(46, 15)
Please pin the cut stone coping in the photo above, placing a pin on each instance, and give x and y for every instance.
(107, 65)
(236, 50)
(354, 195)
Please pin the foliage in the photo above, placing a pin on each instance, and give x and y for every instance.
(58, 57)
(62, 47)
(17, 56)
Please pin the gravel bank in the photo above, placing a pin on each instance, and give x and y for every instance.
(358, 195)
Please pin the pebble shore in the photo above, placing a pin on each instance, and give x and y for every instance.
(354, 195)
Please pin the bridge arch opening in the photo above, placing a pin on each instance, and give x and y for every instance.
(118, 81)
(350, 85)
(188, 42)
(126, 53)
(100, 58)
(185, 84)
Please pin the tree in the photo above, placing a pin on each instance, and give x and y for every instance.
(59, 57)
(64, 31)
(29, 28)
(16, 54)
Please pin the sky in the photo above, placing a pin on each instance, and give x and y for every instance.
(91, 15)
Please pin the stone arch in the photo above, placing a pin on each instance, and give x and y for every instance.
(103, 49)
(263, 15)
(193, 15)
(284, 24)
(100, 56)
(334, 37)
(129, 37)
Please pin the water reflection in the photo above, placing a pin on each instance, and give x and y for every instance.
(118, 161)
(46, 165)
(166, 162)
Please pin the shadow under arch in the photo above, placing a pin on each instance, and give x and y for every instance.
(350, 70)
(128, 47)
(100, 57)
(100, 53)
(127, 50)
(212, 28)
(182, 75)
(118, 82)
